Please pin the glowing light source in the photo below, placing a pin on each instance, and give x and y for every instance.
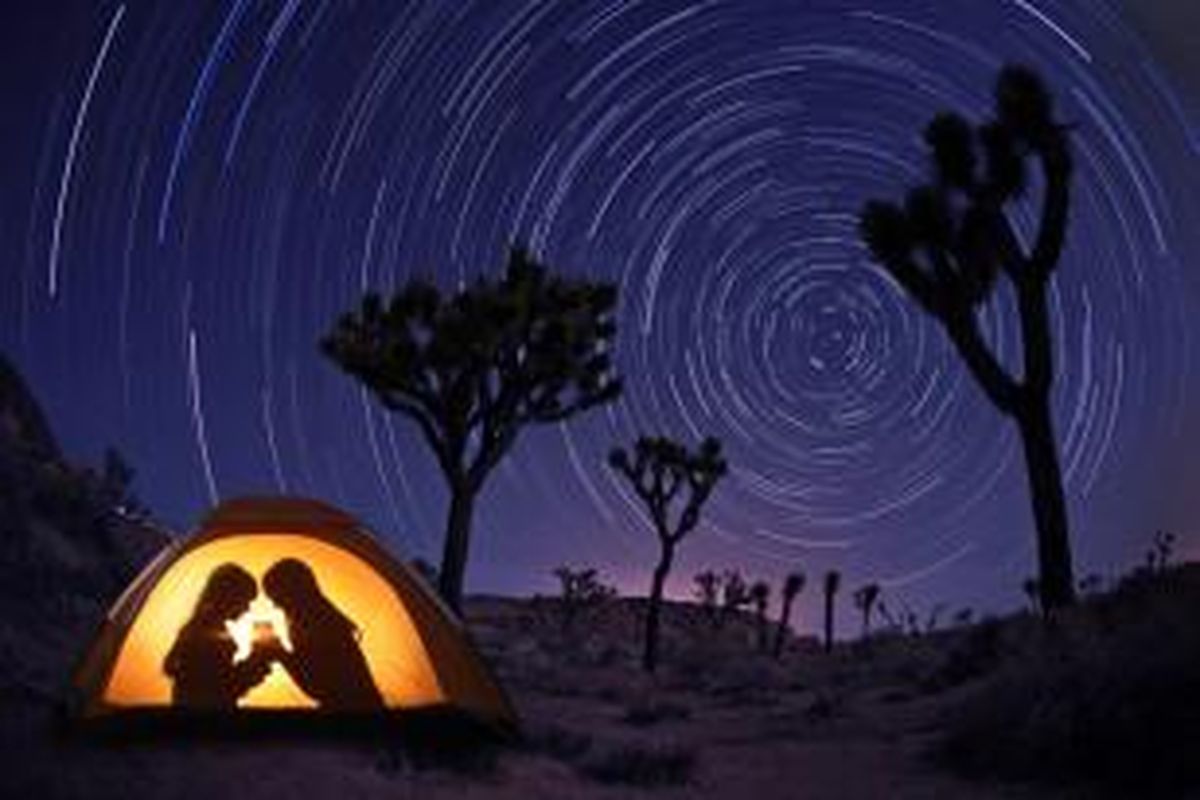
(395, 654)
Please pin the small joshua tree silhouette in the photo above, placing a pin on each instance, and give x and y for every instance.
(735, 594)
(951, 240)
(665, 474)
(760, 596)
(833, 579)
(1159, 554)
(793, 584)
(707, 591)
(864, 600)
(1031, 589)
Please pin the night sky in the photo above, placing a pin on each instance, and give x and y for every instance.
(192, 192)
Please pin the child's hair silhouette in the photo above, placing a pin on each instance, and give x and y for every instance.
(325, 660)
(200, 662)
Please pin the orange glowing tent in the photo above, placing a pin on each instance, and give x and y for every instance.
(154, 648)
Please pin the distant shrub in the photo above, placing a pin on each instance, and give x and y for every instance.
(580, 590)
(559, 742)
(1110, 699)
(826, 706)
(976, 652)
(645, 766)
(649, 711)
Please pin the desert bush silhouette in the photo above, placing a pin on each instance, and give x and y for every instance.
(580, 591)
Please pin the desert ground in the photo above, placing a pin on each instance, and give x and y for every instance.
(718, 719)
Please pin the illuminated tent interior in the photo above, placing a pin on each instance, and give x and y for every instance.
(415, 650)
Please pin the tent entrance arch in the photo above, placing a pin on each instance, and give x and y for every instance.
(400, 646)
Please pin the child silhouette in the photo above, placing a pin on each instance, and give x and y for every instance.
(200, 662)
(325, 659)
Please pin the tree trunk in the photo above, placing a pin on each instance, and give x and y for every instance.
(781, 631)
(828, 622)
(650, 653)
(458, 539)
(1055, 579)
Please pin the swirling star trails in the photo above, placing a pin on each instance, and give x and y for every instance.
(64, 185)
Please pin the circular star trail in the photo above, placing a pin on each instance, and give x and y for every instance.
(194, 194)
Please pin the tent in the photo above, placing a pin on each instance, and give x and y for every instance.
(367, 635)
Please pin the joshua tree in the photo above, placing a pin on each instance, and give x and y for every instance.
(833, 579)
(931, 622)
(793, 584)
(474, 369)
(580, 589)
(895, 625)
(708, 587)
(1030, 587)
(1159, 554)
(734, 594)
(760, 596)
(864, 599)
(948, 245)
(666, 476)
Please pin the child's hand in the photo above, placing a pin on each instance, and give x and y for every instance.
(268, 648)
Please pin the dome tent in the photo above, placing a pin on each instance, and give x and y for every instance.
(405, 641)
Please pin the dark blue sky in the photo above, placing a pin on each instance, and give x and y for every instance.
(192, 193)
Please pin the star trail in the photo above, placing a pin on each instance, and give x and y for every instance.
(194, 191)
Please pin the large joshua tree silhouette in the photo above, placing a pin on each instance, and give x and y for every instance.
(671, 481)
(948, 244)
(475, 368)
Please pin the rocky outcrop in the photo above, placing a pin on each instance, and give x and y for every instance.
(22, 423)
(64, 529)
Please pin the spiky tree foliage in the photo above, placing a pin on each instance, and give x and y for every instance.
(707, 591)
(793, 584)
(949, 242)
(864, 600)
(760, 596)
(475, 368)
(735, 593)
(673, 483)
(833, 580)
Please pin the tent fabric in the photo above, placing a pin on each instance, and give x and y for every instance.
(418, 654)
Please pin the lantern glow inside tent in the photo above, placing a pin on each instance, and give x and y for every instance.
(415, 650)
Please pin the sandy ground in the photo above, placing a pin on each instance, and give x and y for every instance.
(718, 720)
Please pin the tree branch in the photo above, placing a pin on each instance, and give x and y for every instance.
(1055, 159)
(999, 386)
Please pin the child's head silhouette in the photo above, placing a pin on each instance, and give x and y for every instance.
(226, 594)
(290, 583)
